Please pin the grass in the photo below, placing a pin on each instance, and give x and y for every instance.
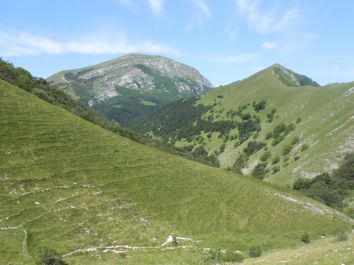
(325, 251)
(69, 184)
(322, 119)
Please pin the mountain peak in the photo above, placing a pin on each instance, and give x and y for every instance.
(290, 78)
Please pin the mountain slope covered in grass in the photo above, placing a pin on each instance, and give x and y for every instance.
(129, 87)
(90, 194)
(275, 125)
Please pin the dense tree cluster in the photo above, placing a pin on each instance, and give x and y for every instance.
(332, 188)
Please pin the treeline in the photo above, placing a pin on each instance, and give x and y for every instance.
(330, 188)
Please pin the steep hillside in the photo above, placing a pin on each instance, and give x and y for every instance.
(23, 79)
(269, 125)
(130, 86)
(93, 195)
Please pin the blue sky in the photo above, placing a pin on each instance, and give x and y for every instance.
(226, 40)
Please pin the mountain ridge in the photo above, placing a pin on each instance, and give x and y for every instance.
(132, 85)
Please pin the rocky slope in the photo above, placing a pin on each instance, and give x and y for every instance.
(131, 86)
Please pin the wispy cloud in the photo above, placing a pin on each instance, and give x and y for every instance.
(15, 43)
(129, 3)
(156, 6)
(237, 59)
(202, 13)
(269, 45)
(267, 21)
(203, 8)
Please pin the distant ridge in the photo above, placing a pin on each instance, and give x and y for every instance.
(130, 86)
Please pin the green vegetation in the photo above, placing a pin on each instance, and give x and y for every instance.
(305, 238)
(86, 192)
(326, 251)
(48, 256)
(23, 79)
(255, 252)
(217, 256)
(330, 189)
(139, 84)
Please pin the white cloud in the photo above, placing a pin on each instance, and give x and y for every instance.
(16, 43)
(269, 45)
(239, 58)
(267, 21)
(203, 8)
(129, 3)
(202, 13)
(156, 6)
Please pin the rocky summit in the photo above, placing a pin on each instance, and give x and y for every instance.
(132, 85)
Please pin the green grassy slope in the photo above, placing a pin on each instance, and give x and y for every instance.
(320, 118)
(328, 251)
(71, 185)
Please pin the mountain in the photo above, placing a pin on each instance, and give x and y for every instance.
(39, 87)
(131, 86)
(275, 125)
(100, 198)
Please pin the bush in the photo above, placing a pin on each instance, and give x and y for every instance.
(275, 160)
(255, 252)
(260, 171)
(47, 256)
(287, 149)
(304, 147)
(269, 135)
(253, 147)
(259, 106)
(305, 238)
(216, 256)
(342, 236)
(302, 184)
(266, 155)
(275, 169)
(233, 256)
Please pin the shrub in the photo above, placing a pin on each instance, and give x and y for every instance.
(268, 135)
(275, 160)
(47, 256)
(287, 149)
(304, 147)
(217, 256)
(255, 252)
(233, 256)
(260, 171)
(342, 236)
(275, 169)
(302, 184)
(266, 155)
(259, 106)
(305, 238)
(253, 147)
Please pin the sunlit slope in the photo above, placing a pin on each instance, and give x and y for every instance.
(70, 185)
(326, 122)
(328, 251)
(269, 125)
